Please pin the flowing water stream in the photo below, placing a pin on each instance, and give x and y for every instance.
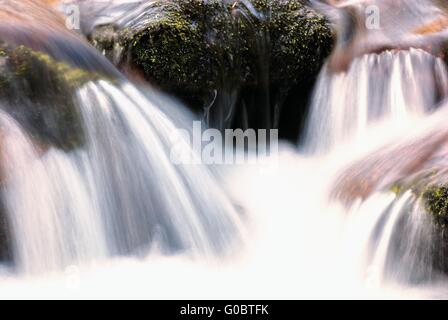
(117, 219)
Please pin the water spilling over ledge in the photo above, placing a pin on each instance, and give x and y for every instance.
(86, 170)
(392, 85)
(240, 64)
(88, 187)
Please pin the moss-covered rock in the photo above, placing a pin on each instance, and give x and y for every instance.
(299, 40)
(199, 48)
(415, 171)
(429, 187)
(432, 192)
(422, 228)
(435, 198)
(436, 202)
(39, 92)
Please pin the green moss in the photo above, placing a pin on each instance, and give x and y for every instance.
(299, 39)
(418, 183)
(167, 50)
(397, 188)
(186, 46)
(436, 203)
(24, 61)
(199, 46)
(39, 92)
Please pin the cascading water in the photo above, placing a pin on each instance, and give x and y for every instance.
(115, 197)
(47, 201)
(120, 195)
(377, 87)
(389, 92)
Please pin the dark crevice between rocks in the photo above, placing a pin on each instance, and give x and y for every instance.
(6, 247)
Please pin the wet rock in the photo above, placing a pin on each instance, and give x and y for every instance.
(394, 167)
(248, 63)
(417, 167)
(434, 196)
(436, 201)
(42, 64)
(6, 254)
(39, 92)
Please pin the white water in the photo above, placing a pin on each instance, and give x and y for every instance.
(121, 195)
(298, 246)
(391, 86)
(119, 220)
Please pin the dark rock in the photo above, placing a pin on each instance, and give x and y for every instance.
(39, 92)
(42, 64)
(436, 203)
(6, 251)
(416, 165)
(239, 60)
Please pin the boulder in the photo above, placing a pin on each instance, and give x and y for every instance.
(241, 61)
(39, 92)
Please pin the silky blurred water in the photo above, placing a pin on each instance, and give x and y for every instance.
(116, 218)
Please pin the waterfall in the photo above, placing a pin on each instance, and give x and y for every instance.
(343, 216)
(394, 240)
(48, 205)
(376, 104)
(390, 86)
(372, 121)
(120, 194)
